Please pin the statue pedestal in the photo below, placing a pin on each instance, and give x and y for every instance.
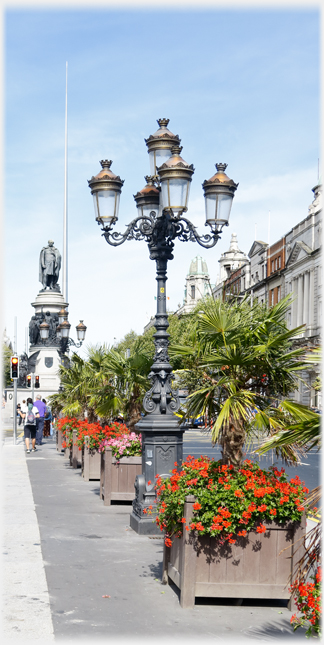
(48, 300)
(49, 303)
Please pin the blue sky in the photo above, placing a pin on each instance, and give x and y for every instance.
(239, 86)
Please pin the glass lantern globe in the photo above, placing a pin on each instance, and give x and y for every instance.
(175, 176)
(62, 315)
(159, 145)
(219, 194)
(65, 329)
(58, 332)
(81, 331)
(44, 330)
(148, 199)
(106, 188)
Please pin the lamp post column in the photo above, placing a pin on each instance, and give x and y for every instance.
(162, 437)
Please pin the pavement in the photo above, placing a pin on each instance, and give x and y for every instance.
(73, 569)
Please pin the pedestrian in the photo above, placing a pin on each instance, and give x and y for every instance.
(30, 414)
(48, 419)
(40, 420)
(18, 414)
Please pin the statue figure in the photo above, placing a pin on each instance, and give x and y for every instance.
(49, 266)
(23, 370)
(33, 330)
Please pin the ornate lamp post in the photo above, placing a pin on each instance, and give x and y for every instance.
(161, 206)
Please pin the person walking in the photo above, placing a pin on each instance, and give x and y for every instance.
(30, 414)
(41, 407)
(48, 419)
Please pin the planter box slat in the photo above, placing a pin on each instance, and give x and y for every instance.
(250, 568)
(59, 440)
(126, 497)
(75, 453)
(90, 462)
(117, 478)
(243, 590)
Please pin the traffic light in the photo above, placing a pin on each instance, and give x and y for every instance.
(14, 367)
(29, 380)
(36, 381)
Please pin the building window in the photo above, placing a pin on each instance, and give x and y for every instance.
(272, 297)
(262, 271)
(279, 261)
(276, 266)
(272, 266)
(193, 291)
(278, 296)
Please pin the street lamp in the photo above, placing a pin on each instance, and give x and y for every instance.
(62, 332)
(161, 205)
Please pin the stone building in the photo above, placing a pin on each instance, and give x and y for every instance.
(292, 265)
(197, 285)
(229, 262)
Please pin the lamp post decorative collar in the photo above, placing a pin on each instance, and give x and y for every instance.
(159, 223)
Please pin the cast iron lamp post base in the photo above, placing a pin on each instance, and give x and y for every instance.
(162, 441)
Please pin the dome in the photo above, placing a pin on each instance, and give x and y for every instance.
(198, 266)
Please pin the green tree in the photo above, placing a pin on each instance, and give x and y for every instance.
(245, 361)
(6, 356)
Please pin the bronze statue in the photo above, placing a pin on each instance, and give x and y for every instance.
(49, 266)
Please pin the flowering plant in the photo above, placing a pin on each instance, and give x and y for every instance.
(228, 503)
(308, 601)
(67, 425)
(125, 445)
(97, 434)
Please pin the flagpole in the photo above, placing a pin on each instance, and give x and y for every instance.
(65, 218)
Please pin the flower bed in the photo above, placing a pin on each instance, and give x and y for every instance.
(123, 445)
(242, 518)
(121, 462)
(90, 437)
(308, 602)
(228, 503)
(66, 426)
(97, 434)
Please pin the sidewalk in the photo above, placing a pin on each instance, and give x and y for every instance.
(55, 524)
(26, 608)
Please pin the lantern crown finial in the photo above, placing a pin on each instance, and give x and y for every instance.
(105, 164)
(221, 167)
(163, 123)
(176, 149)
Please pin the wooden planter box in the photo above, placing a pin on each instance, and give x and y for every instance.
(59, 439)
(91, 462)
(117, 478)
(75, 453)
(252, 568)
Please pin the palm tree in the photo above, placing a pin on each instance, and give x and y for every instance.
(122, 383)
(246, 361)
(75, 398)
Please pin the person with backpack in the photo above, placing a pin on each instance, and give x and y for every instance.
(48, 419)
(40, 420)
(29, 413)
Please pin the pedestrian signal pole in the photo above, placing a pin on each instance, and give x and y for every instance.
(14, 375)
